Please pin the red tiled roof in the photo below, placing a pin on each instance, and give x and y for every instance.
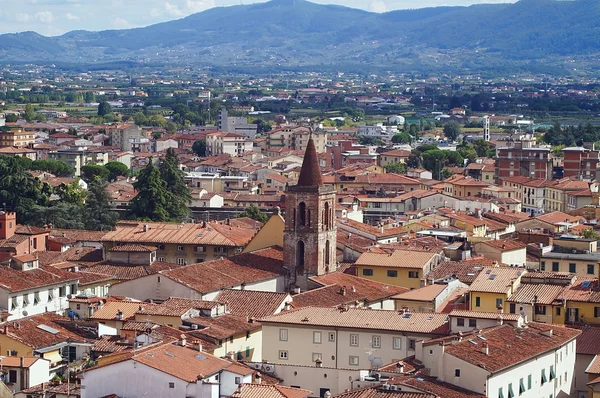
(15, 280)
(587, 341)
(230, 272)
(269, 391)
(222, 326)
(509, 345)
(371, 290)
(252, 303)
(124, 272)
(28, 332)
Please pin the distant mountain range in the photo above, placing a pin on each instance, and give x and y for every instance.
(533, 35)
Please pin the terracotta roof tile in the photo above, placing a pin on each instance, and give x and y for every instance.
(109, 310)
(545, 294)
(124, 272)
(269, 391)
(109, 344)
(133, 248)
(252, 303)
(15, 280)
(370, 289)
(466, 270)
(496, 279)
(222, 326)
(159, 233)
(327, 296)
(397, 259)
(175, 306)
(181, 362)
(28, 332)
(583, 290)
(594, 366)
(509, 345)
(434, 386)
(379, 392)
(230, 272)
(360, 318)
(587, 341)
(53, 389)
(15, 362)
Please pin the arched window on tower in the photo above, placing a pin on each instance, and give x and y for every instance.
(302, 213)
(327, 221)
(300, 254)
(327, 253)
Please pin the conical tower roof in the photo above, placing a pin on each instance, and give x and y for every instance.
(310, 175)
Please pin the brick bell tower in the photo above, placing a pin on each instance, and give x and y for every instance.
(310, 232)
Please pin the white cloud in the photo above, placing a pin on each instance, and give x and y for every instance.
(199, 5)
(120, 23)
(44, 17)
(173, 9)
(23, 17)
(155, 13)
(71, 17)
(377, 6)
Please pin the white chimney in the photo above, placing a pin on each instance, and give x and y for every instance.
(485, 348)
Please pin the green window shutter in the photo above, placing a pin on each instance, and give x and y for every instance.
(521, 387)
(500, 393)
(544, 378)
(552, 373)
(511, 393)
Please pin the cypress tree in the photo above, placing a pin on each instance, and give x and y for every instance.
(173, 177)
(153, 199)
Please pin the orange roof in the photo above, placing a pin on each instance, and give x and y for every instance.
(252, 303)
(426, 293)
(363, 318)
(195, 234)
(269, 391)
(397, 259)
(109, 310)
(509, 345)
(496, 279)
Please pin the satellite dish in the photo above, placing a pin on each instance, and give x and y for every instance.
(25, 313)
(377, 363)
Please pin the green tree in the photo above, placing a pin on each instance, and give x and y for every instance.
(434, 161)
(71, 193)
(452, 130)
(29, 113)
(402, 138)
(140, 119)
(56, 167)
(173, 177)
(99, 214)
(398, 168)
(116, 169)
(60, 215)
(153, 199)
(11, 118)
(254, 213)
(483, 148)
(590, 233)
(92, 171)
(19, 190)
(104, 109)
(199, 148)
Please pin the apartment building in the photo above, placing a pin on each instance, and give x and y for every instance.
(16, 136)
(351, 338)
(532, 360)
(77, 158)
(523, 158)
(580, 162)
(493, 286)
(236, 125)
(219, 143)
(182, 243)
(576, 256)
(401, 268)
(125, 135)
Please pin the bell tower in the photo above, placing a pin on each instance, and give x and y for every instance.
(310, 232)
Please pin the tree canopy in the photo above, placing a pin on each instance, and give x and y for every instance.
(254, 213)
(173, 177)
(153, 199)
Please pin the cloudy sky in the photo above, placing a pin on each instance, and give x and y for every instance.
(55, 17)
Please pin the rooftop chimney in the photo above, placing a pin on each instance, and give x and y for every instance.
(319, 363)
(258, 378)
(343, 290)
(400, 367)
(182, 340)
(120, 315)
(485, 348)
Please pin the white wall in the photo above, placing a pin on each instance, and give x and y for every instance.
(228, 384)
(313, 378)
(336, 353)
(142, 381)
(57, 304)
